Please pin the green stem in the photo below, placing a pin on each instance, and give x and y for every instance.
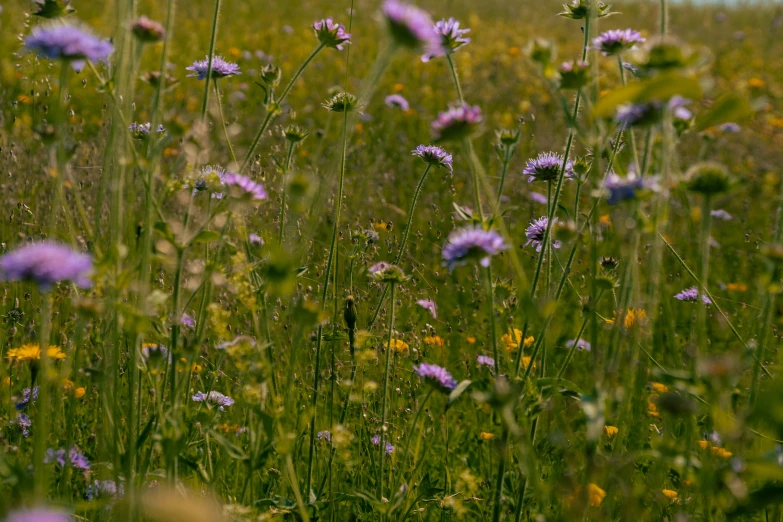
(285, 191)
(223, 122)
(454, 75)
(476, 186)
(412, 429)
(634, 149)
(492, 328)
(706, 225)
(385, 398)
(173, 349)
(498, 501)
(503, 172)
(41, 432)
(212, 40)
(664, 17)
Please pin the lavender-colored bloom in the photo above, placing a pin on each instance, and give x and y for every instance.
(617, 40)
(472, 242)
(38, 515)
(220, 68)
(210, 179)
(68, 43)
(75, 458)
(546, 167)
(538, 198)
(395, 100)
(141, 131)
(692, 294)
(28, 396)
(24, 423)
(434, 155)
(429, 304)
(213, 397)
(104, 489)
(388, 448)
(451, 37)
(643, 114)
(379, 267)
(411, 27)
(148, 30)
(246, 185)
(624, 188)
(721, 214)
(324, 435)
(678, 106)
(331, 34)
(154, 351)
(535, 233)
(436, 376)
(460, 121)
(187, 321)
(730, 128)
(483, 360)
(581, 345)
(45, 264)
(255, 239)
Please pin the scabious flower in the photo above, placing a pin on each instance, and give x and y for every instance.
(580, 9)
(24, 423)
(148, 31)
(331, 34)
(645, 114)
(154, 352)
(721, 214)
(546, 167)
(535, 233)
(388, 448)
(220, 68)
(32, 352)
(539, 198)
(429, 304)
(581, 345)
(324, 435)
(245, 186)
(343, 102)
(213, 397)
(624, 188)
(210, 179)
(104, 489)
(141, 131)
(616, 41)
(451, 38)
(411, 27)
(692, 294)
(472, 242)
(52, 8)
(28, 396)
(387, 273)
(75, 458)
(483, 360)
(460, 121)
(38, 515)
(255, 239)
(436, 376)
(396, 100)
(574, 74)
(68, 43)
(46, 264)
(187, 321)
(730, 128)
(435, 156)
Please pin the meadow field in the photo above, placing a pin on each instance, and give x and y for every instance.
(365, 260)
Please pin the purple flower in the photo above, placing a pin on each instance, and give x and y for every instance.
(692, 294)
(210, 179)
(45, 264)
(379, 267)
(644, 114)
(678, 107)
(331, 34)
(730, 128)
(68, 43)
(429, 304)
(220, 68)
(28, 396)
(141, 131)
(154, 352)
(581, 345)
(472, 242)
(436, 376)
(451, 38)
(187, 321)
(103, 489)
(721, 214)
(535, 233)
(538, 198)
(546, 167)
(616, 41)
(388, 448)
(434, 156)
(216, 398)
(411, 27)
(395, 100)
(324, 435)
(148, 30)
(248, 187)
(460, 121)
(255, 239)
(24, 423)
(621, 189)
(75, 458)
(38, 515)
(483, 360)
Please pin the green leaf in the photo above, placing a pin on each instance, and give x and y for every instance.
(550, 385)
(205, 236)
(729, 108)
(662, 87)
(456, 392)
(232, 449)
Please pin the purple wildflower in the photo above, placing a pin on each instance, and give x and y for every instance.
(147, 30)
(68, 43)
(535, 233)
(644, 114)
(379, 267)
(395, 100)
(472, 242)
(483, 360)
(210, 179)
(75, 458)
(38, 515)
(624, 188)
(141, 131)
(730, 128)
(103, 489)
(216, 398)
(678, 106)
(154, 351)
(45, 264)
(388, 448)
(616, 41)
(721, 214)
(24, 423)
(451, 38)
(539, 198)
(460, 121)
(187, 321)
(324, 435)
(436, 376)
(546, 167)
(331, 34)
(28, 396)
(255, 239)
(692, 294)
(581, 345)
(434, 156)
(429, 304)
(248, 187)
(220, 68)
(411, 27)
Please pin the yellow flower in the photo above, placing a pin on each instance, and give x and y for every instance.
(757, 83)
(514, 338)
(658, 387)
(632, 317)
(197, 368)
(670, 494)
(470, 339)
(610, 431)
(652, 408)
(514, 51)
(605, 220)
(595, 495)
(7, 381)
(398, 345)
(79, 392)
(434, 340)
(721, 452)
(705, 444)
(526, 362)
(32, 352)
(736, 287)
(398, 87)
(485, 435)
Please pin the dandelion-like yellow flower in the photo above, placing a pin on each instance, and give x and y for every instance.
(197, 368)
(513, 339)
(595, 495)
(736, 287)
(79, 392)
(705, 444)
(485, 435)
(632, 317)
(670, 494)
(434, 340)
(610, 431)
(398, 345)
(32, 352)
(652, 408)
(721, 452)
(470, 339)
(526, 362)
(659, 387)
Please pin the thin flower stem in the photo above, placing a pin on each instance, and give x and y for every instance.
(503, 172)
(385, 398)
(283, 202)
(492, 326)
(164, 56)
(455, 76)
(41, 432)
(212, 40)
(498, 499)
(223, 122)
(578, 338)
(634, 149)
(412, 429)
(664, 17)
(706, 225)
(475, 172)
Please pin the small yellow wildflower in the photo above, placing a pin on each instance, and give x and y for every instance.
(652, 408)
(514, 51)
(380, 226)
(705, 444)
(434, 340)
(595, 495)
(670, 494)
(611, 431)
(605, 220)
(32, 352)
(79, 392)
(659, 387)
(721, 452)
(737, 287)
(757, 83)
(7, 381)
(398, 87)
(398, 345)
(197, 368)
(631, 318)
(470, 339)
(485, 435)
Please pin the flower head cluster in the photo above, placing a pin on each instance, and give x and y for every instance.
(141, 131)
(396, 100)
(24, 423)
(295, 133)
(388, 448)
(244, 186)
(32, 352)
(429, 304)
(343, 102)
(581, 345)
(721, 214)
(38, 515)
(148, 31)
(411, 27)
(152, 352)
(535, 233)
(220, 68)
(387, 273)
(68, 43)
(580, 9)
(331, 34)
(460, 121)
(574, 74)
(451, 37)
(435, 156)
(624, 188)
(324, 435)
(52, 8)
(28, 396)
(104, 489)
(546, 167)
(210, 179)
(75, 458)
(46, 264)
(214, 397)
(616, 41)
(483, 360)
(692, 294)
(472, 242)
(436, 376)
